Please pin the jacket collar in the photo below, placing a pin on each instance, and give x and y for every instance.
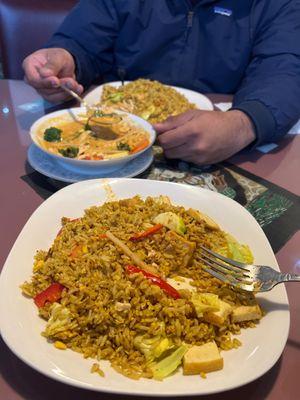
(201, 2)
(183, 5)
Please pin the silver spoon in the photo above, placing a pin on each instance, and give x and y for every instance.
(76, 96)
(98, 131)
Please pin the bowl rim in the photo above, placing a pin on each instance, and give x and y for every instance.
(76, 110)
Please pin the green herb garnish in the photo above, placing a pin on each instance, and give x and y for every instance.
(52, 134)
(123, 146)
(70, 152)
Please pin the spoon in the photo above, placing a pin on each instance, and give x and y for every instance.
(98, 131)
(76, 96)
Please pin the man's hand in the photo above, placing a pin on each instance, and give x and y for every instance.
(47, 68)
(205, 137)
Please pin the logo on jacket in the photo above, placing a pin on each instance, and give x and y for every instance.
(223, 11)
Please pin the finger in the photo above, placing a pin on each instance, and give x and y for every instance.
(53, 83)
(173, 138)
(52, 66)
(50, 91)
(37, 82)
(175, 122)
(47, 71)
(32, 75)
(181, 152)
(72, 84)
(198, 159)
(179, 136)
(56, 97)
(33, 66)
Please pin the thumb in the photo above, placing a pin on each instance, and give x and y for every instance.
(174, 122)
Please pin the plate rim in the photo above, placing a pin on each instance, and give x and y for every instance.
(99, 87)
(34, 148)
(85, 385)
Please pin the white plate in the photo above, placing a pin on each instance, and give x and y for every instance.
(201, 101)
(47, 165)
(21, 327)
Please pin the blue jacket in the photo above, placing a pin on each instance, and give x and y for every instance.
(250, 48)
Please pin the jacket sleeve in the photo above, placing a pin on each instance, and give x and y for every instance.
(88, 33)
(270, 91)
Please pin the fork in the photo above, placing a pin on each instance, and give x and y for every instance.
(253, 278)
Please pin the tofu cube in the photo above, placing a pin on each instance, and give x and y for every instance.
(181, 283)
(246, 313)
(218, 318)
(205, 358)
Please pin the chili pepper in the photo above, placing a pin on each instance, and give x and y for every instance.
(156, 280)
(52, 294)
(148, 232)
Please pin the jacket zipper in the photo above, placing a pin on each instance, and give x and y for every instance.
(190, 18)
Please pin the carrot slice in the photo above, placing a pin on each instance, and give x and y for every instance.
(142, 145)
(76, 251)
(148, 232)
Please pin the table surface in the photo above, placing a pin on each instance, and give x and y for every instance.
(21, 193)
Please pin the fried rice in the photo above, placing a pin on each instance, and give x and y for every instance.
(103, 309)
(148, 99)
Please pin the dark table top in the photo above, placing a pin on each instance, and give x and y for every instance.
(261, 176)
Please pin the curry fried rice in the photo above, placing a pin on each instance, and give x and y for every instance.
(95, 286)
(148, 99)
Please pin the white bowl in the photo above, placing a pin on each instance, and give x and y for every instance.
(88, 166)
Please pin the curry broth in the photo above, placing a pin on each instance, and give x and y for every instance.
(93, 138)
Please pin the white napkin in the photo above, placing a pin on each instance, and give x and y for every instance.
(295, 130)
(223, 106)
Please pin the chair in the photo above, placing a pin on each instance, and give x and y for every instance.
(24, 27)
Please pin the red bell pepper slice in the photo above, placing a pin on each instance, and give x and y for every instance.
(51, 294)
(148, 232)
(156, 280)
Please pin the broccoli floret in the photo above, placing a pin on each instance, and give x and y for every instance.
(70, 152)
(52, 134)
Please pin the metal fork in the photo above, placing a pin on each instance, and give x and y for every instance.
(253, 278)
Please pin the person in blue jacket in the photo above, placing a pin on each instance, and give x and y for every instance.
(249, 48)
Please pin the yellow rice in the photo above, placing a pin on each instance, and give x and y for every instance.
(95, 280)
